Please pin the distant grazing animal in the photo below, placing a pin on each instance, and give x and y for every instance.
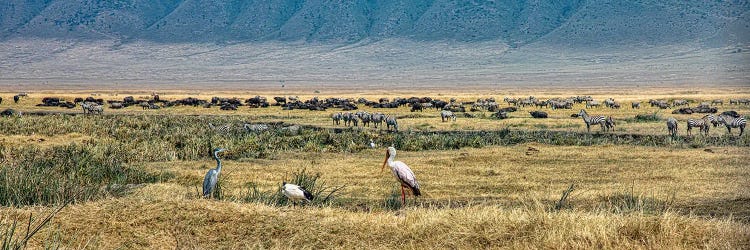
(609, 124)
(255, 127)
(91, 108)
(391, 121)
(416, 107)
(732, 122)
(635, 105)
(717, 101)
(296, 193)
(16, 98)
(377, 119)
(446, 115)
(336, 117)
(702, 124)
(403, 174)
(589, 120)
(538, 114)
(592, 104)
(212, 176)
(672, 126)
(222, 129)
(1, 100)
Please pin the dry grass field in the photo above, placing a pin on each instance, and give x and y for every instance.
(131, 178)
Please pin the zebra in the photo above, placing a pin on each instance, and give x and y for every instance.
(591, 104)
(336, 118)
(355, 120)
(222, 129)
(347, 118)
(732, 122)
(698, 123)
(609, 123)
(672, 126)
(711, 118)
(447, 115)
(255, 127)
(365, 117)
(91, 108)
(390, 121)
(589, 120)
(377, 119)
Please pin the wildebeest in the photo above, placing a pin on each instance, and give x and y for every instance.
(447, 115)
(609, 123)
(717, 101)
(1, 100)
(16, 98)
(416, 107)
(10, 112)
(538, 114)
(635, 105)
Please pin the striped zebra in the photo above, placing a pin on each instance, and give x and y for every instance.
(589, 120)
(377, 119)
(336, 117)
(609, 123)
(698, 123)
(447, 115)
(391, 121)
(222, 129)
(732, 122)
(712, 118)
(255, 127)
(672, 126)
(92, 108)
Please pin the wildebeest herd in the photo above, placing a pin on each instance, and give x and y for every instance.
(351, 116)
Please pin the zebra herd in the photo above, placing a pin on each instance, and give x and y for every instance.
(705, 123)
(353, 119)
(92, 108)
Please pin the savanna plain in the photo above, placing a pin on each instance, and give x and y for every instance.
(131, 177)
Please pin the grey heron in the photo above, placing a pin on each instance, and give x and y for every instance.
(402, 172)
(212, 176)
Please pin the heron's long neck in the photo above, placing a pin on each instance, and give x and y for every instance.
(218, 163)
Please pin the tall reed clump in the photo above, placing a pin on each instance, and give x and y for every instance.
(34, 176)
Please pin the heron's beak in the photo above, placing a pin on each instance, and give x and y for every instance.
(387, 154)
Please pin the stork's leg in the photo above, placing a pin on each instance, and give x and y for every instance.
(403, 196)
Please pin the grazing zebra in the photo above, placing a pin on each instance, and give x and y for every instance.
(255, 127)
(698, 123)
(336, 118)
(365, 117)
(591, 104)
(222, 129)
(347, 118)
(732, 122)
(717, 101)
(447, 115)
(390, 121)
(635, 105)
(91, 108)
(609, 123)
(589, 120)
(672, 126)
(711, 118)
(355, 120)
(377, 119)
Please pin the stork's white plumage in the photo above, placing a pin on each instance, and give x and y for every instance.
(296, 193)
(372, 144)
(403, 174)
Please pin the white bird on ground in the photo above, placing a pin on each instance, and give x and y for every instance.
(403, 174)
(296, 193)
(372, 144)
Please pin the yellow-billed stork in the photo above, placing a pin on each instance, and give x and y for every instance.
(402, 172)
